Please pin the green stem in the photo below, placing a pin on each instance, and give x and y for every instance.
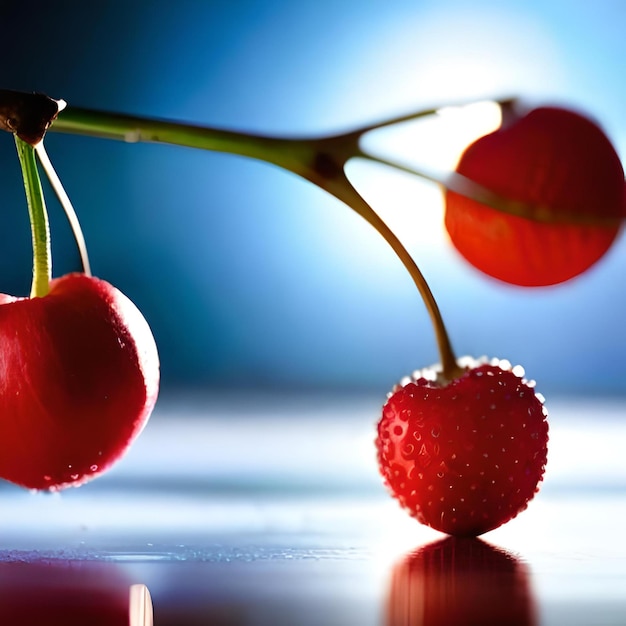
(286, 153)
(42, 256)
(66, 204)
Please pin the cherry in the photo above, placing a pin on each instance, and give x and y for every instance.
(465, 455)
(80, 375)
(79, 368)
(563, 172)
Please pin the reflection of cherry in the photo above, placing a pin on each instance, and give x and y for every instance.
(460, 582)
(565, 167)
(63, 594)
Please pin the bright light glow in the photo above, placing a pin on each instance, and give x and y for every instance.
(435, 57)
(459, 128)
(413, 207)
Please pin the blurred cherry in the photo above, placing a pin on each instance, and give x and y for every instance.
(555, 163)
(460, 582)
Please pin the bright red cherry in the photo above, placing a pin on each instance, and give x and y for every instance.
(467, 455)
(79, 376)
(563, 166)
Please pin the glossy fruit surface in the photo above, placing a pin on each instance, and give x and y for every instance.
(563, 165)
(464, 456)
(79, 376)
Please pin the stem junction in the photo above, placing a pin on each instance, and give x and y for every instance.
(321, 161)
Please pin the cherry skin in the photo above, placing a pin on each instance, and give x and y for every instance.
(552, 159)
(464, 456)
(79, 374)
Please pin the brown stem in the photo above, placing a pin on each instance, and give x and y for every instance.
(318, 160)
(321, 161)
(342, 189)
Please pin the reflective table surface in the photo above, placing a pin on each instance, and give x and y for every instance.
(270, 511)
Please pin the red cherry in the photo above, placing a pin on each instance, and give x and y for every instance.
(559, 162)
(79, 376)
(464, 456)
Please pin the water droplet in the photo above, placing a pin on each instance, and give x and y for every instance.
(435, 432)
(519, 371)
(94, 468)
(397, 431)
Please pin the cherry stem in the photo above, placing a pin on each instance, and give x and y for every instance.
(342, 189)
(64, 199)
(293, 154)
(42, 254)
(321, 161)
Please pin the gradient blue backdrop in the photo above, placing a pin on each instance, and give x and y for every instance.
(250, 276)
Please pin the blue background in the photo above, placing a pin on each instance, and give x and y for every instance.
(252, 278)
